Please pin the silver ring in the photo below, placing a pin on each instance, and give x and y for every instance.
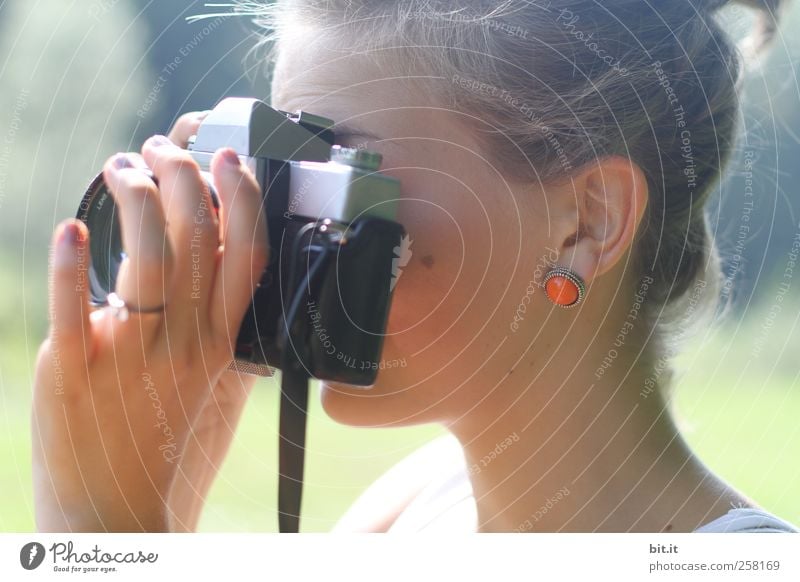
(122, 311)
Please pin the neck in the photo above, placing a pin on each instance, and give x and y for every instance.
(584, 454)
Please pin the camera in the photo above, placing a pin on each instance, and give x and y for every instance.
(323, 301)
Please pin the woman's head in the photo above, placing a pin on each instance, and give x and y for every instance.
(525, 133)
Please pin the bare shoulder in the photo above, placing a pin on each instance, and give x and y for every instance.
(384, 500)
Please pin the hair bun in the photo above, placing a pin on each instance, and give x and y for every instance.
(766, 26)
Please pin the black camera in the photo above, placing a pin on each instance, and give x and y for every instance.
(325, 296)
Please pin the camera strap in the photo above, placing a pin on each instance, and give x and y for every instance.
(295, 377)
(291, 450)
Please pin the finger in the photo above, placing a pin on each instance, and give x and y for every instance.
(185, 127)
(244, 239)
(145, 274)
(70, 330)
(193, 227)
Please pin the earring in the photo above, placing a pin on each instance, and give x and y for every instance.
(564, 287)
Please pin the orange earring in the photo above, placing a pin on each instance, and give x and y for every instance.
(564, 287)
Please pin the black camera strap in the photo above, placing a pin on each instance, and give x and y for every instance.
(291, 450)
(295, 379)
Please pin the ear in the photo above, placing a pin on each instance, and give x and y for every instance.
(609, 200)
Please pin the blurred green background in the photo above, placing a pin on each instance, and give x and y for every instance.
(80, 81)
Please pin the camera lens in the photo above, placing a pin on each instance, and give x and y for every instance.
(99, 212)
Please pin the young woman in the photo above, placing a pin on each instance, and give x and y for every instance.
(552, 154)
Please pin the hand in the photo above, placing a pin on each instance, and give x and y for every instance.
(215, 426)
(116, 403)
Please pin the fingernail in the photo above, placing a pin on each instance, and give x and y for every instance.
(160, 140)
(69, 234)
(203, 114)
(65, 243)
(229, 156)
(122, 161)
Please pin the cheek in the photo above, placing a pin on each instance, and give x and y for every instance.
(464, 247)
(455, 300)
(434, 263)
